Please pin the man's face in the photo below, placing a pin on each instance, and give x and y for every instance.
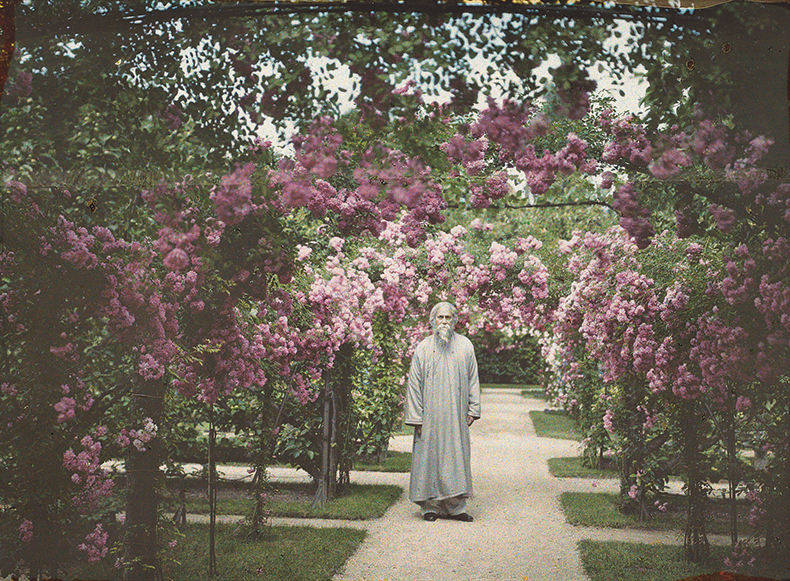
(443, 317)
(443, 325)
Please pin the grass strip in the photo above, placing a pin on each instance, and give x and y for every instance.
(619, 561)
(394, 462)
(534, 393)
(522, 386)
(293, 553)
(554, 425)
(294, 499)
(598, 509)
(360, 502)
(572, 467)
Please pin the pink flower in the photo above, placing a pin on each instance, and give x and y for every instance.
(123, 440)
(96, 544)
(26, 531)
(176, 259)
(303, 252)
(233, 197)
(607, 421)
(725, 217)
(65, 408)
(607, 180)
(743, 403)
(18, 191)
(149, 368)
(669, 164)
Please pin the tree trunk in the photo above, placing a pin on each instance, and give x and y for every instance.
(334, 437)
(322, 490)
(262, 459)
(696, 546)
(343, 447)
(142, 473)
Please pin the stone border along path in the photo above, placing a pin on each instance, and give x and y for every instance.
(519, 533)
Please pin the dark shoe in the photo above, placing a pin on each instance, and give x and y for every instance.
(464, 516)
(430, 516)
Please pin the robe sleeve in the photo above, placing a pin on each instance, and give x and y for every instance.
(414, 391)
(474, 386)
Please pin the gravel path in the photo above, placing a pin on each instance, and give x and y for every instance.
(519, 531)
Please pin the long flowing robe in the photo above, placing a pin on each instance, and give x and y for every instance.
(443, 389)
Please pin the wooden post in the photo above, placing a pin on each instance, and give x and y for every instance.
(142, 474)
(212, 497)
(334, 444)
(734, 477)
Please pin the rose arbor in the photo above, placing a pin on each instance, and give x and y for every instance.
(226, 293)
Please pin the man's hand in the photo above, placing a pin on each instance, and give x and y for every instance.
(418, 431)
(470, 420)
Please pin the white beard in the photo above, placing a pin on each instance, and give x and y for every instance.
(444, 333)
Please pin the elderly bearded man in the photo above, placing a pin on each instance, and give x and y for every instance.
(442, 402)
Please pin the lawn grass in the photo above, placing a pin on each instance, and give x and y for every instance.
(361, 502)
(294, 499)
(571, 467)
(597, 509)
(534, 392)
(293, 553)
(554, 425)
(507, 386)
(619, 561)
(394, 462)
(527, 390)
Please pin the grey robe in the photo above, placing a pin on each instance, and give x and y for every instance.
(443, 389)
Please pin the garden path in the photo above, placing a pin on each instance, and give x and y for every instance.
(519, 532)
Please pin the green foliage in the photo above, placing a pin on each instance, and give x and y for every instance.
(519, 362)
(377, 393)
(298, 440)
